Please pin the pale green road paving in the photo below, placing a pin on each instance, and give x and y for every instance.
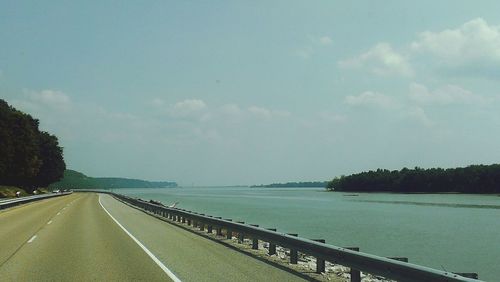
(72, 238)
(76, 240)
(190, 256)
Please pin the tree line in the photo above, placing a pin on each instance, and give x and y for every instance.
(76, 180)
(306, 184)
(474, 179)
(29, 158)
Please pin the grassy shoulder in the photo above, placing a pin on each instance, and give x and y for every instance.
(10, 191)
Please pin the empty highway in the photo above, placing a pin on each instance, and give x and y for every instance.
(86, 236)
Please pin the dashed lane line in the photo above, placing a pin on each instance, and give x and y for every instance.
(32, 239)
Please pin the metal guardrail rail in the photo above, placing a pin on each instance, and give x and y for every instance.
(396, 268)
(4, 204)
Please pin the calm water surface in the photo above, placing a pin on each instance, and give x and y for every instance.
(459, 233)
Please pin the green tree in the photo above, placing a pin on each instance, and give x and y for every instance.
(28, 157)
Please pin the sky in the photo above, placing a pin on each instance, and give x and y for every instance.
(256, 92)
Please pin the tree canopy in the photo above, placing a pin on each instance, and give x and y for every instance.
(472, 179)
(29, 158)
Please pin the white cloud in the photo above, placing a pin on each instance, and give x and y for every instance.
(381, 60)
(305, 52)
(231, 109)
(157, 102)
(44, 102)
(266, 113)
(475, 41)
(325, 40)
(260, 112)
(190, 109)
(418, 114)
(371, 99)
(313, 45)
(333, 117)
(51, 98)
(448, 94)
(189, 106)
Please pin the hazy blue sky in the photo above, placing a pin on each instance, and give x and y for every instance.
(233, 92)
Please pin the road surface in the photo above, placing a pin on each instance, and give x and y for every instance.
(86, 236)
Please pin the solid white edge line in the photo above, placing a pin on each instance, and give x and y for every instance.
(150, 254)
(32, 239)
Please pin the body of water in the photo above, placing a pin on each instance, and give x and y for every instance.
(459, 233)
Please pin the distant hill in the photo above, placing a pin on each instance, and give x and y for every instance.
(310, 184)
(76, 180)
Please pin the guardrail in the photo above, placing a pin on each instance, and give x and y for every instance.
(18, 201)
(392, 268)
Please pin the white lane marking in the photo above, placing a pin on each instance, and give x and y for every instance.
(150, 254)
(32, 239)
(49, 222)
(58, 213)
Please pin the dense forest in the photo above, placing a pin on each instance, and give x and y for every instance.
(77, 180)
(29, 158)
(293, 184)
(474, 179)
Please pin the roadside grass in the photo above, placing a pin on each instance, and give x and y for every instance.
(10, 191)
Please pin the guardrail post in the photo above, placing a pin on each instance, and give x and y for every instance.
(218, 231)
(294, 256)
(355, 274)
(201, 224)
(320, 263)
(189, 221)
(229, 232)
(272, 246)
(241, 236)
(255, 240)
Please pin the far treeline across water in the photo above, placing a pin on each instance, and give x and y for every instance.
(76, 180)
(309, 184)
(474, 179)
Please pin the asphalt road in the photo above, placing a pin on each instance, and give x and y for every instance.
(82, 238)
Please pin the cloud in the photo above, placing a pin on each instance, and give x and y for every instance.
(45, 101)
(475, 41)
(51, 98)
(264, 113)
(325, 40)
(305, 52)
(189, 106)
(382, 60)
(157, 102)
(313, 45)
(190, 109)
(371, 99)
(418, 114)
(231, 109)
(448, 94)
(333, 117)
